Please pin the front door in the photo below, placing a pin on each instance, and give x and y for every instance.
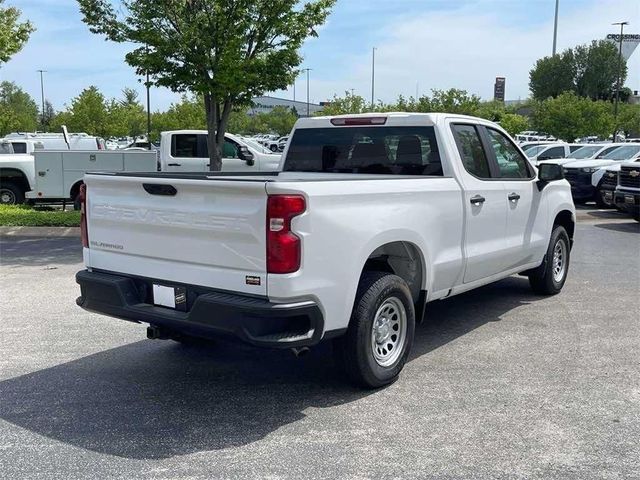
(485, 208)
(526, 219)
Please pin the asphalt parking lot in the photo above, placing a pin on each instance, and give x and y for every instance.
(501, 384)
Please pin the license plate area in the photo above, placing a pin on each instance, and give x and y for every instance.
(170, 297)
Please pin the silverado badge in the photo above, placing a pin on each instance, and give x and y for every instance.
(634, 173)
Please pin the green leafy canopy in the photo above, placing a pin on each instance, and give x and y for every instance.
(227, 51)
(13, 33)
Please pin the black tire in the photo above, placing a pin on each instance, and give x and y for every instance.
(542, 279)
(377, 291)
(600, 202)
(11, 194)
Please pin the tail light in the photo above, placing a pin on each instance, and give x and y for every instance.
(283, 246)
(83, 216)
(99, 144)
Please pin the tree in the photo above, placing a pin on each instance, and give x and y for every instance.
(588, 70)
(46, 117)
(350, 103)
(569, 116)
(629, 120)
(514, 123)
(13, 33)
(552, 76)
(18, 111)
(597, 70)
(187, 114)
(225, 51)
(88, 113)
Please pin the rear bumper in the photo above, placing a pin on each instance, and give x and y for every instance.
(209, 313)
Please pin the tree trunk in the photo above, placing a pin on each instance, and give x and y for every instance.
(215, 153)
(217, 121)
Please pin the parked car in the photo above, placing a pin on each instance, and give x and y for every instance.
(606, 185)
(551, 151)
(627, 193)
(348, 243)
(584, 175)
(187, 151)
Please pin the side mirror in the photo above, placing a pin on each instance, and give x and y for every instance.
(549, 172)
(245, 154)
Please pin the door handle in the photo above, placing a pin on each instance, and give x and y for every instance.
(514, 197)
(174, 164)
(477, 200)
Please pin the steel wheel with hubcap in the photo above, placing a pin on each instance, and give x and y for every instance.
(388, 332)
(550, 276)
(378, 340)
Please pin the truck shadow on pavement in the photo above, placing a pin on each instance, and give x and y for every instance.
(39, 251)
(155, 399)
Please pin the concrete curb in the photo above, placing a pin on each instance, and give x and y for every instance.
(39, 232)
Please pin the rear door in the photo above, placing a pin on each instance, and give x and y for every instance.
(486, 210)
(193, 229)
(525, 238)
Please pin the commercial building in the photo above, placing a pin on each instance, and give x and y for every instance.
(265, 104)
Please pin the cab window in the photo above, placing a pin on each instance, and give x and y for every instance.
(511, 163)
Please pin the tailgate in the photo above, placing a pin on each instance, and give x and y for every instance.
(211, 232)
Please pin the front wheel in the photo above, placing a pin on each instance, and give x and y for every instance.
(601, 201)
(11, 194)
(377, 343)
(549, 278)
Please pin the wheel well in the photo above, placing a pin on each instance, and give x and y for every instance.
(402, 259)
(565, 219)
(75, 190)
(16, 177)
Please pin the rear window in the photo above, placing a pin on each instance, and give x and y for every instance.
(19, 147)
(374, 150)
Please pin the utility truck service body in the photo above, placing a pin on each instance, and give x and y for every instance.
(372, 216)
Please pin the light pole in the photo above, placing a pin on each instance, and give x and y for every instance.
(555, 29)
(307, 70)
(42, 93)
(373, 76)
(615, 108)
(148, 104)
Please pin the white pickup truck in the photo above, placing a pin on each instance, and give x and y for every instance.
(373, 216)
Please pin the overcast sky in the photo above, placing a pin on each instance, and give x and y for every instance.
(421, 44)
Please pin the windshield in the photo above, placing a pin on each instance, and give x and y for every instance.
(623, 153)
(534, 150)
(373, 150)
(585, 152)
(5, 148)
(256, 145)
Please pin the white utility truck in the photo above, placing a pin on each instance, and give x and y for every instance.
(186, 151)
(373, 216)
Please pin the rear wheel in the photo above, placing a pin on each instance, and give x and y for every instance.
(549, 278)
(377, 343)
(11, 194)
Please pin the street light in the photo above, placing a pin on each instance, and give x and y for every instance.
(615, 108)
(373, 76)
(555, 28)
(307, 70)
(42, 92)
(148, 85)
